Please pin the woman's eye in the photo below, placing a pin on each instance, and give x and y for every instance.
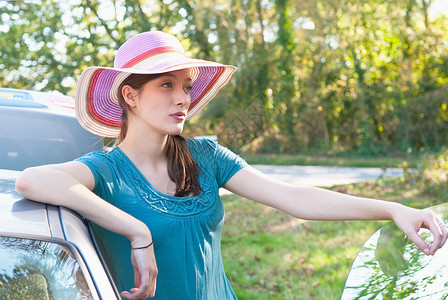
(167, 84)
(188, 88)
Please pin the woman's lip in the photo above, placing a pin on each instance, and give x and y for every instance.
(179, 116)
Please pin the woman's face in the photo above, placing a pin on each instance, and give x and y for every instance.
(162, 104)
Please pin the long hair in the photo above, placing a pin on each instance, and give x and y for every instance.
(182, 169)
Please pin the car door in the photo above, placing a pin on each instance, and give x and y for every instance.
(390, 266)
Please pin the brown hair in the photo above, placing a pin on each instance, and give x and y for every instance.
(182, 169)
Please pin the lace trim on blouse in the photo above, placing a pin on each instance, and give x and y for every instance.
(162, 203)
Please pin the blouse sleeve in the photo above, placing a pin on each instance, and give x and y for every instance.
(97, 163)
(228, 164)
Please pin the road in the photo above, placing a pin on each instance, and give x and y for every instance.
(324, 176)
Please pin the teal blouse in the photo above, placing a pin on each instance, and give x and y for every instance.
(186, 230)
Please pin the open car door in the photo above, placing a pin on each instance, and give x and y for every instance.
(390, 266)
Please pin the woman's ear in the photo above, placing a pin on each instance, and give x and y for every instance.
(129, 95)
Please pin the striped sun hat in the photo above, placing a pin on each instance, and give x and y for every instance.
(151, 52)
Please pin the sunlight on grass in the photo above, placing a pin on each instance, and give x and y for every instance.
(270, 255)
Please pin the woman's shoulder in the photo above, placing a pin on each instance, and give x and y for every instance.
(201, 144)
(104, 165)
(99, 158)
(203, 151)
(204, 147)
(208, 150)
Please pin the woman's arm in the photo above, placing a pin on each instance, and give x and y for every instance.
(319, 204)
(70, 185)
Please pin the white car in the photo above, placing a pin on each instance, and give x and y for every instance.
(40, 128)
(48, 252)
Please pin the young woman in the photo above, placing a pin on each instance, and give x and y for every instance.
(160, 191)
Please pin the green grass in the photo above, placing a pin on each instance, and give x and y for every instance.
(270, 255)
(322, 160)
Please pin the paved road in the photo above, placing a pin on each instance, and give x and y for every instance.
(324, 176)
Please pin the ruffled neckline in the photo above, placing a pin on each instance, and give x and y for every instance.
(160, 202)
(139, 175)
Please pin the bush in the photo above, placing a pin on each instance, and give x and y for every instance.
(433, 174)
(434, 169)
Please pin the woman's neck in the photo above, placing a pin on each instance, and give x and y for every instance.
(145, 149)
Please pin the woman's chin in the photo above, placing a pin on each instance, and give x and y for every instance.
(176, 131)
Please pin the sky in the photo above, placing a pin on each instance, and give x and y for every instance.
(439, 6)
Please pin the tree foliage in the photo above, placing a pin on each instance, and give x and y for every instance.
(351, 75)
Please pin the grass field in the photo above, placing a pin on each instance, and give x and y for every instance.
(342, 161)
(270, 255)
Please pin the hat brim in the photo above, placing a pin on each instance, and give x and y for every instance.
(96, 102)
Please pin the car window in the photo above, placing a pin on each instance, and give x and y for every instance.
(390, 266)
(32, 269)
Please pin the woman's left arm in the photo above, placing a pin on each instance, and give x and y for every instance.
(312, 203)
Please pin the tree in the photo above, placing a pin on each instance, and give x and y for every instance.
(352, 75)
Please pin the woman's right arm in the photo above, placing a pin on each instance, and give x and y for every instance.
(70, 185)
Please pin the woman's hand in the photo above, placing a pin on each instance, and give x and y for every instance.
(411, 220)
(145, 274)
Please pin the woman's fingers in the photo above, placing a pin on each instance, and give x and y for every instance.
(145, 274)
(137, 278)
(153, 281)
(439, 231)
(137, 293)
(445, 235)
(434, 224)
(145, 290)
(411, 223)
(419, 242)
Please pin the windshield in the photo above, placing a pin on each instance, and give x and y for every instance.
(32, 269)
(390, 266)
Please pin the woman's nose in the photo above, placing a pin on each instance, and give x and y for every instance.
(183, 98)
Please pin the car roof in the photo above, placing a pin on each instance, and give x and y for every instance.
(19, 216)
(33, 100)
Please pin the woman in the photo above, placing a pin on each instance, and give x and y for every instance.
(160, 191)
